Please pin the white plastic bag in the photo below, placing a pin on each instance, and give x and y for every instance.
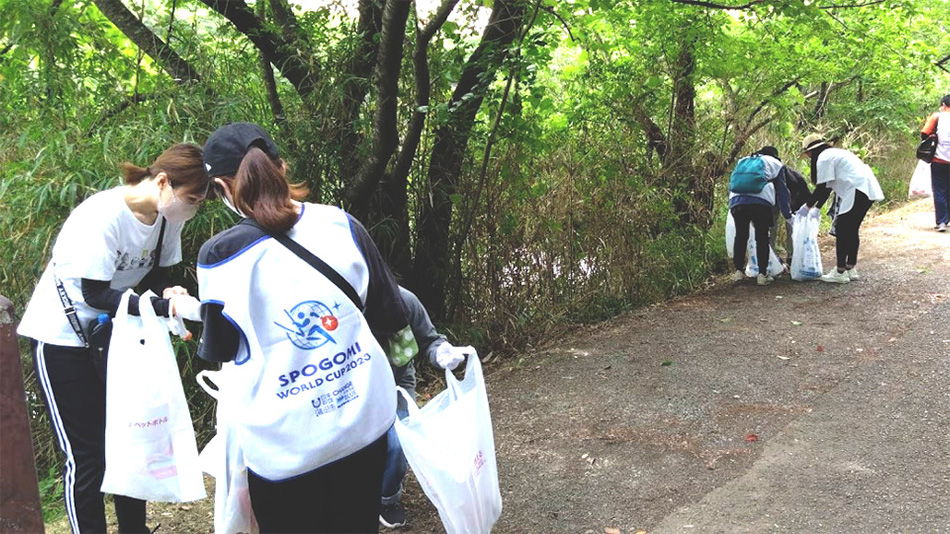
(806, 256)
(451, 448)
(222, 458)
(730, 234)
(752, 263)
(921, 185)
(774, 268)
(151, 452)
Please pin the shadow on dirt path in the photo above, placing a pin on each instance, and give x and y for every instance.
(805, 407)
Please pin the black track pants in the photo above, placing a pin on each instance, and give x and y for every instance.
(76, 402)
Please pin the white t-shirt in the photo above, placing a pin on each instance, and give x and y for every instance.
(845, 173)
(943, 135)
(100, 240)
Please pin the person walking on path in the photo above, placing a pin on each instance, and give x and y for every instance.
(938, 124)
(299, 298)
(442, 354)
(108, 244)
(756, 208)
(856, 187)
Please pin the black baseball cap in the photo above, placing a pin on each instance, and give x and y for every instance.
(226, 147)
(769, 150)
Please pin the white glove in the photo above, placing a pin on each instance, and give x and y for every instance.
(803, 210)
(186, 307)
(174, 290)
(814, 213)
(449, 356)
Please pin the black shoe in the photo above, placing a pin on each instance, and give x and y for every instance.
(392, 515)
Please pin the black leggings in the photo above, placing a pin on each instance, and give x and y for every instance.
(340, 497)
(760, 216)
(846, 231)
(76, 399)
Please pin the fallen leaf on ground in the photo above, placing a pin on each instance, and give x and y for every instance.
(751, 437)
(611, 530)
(783, 357)
(667, 363)
(819, 348)
(725, 319)
(797, 323)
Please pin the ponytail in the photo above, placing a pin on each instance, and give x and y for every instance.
(133, 174)
(260, 190)
(183, 163)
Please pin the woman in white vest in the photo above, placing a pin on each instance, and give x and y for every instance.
(939, 124)
(307, 370)
(856, 187)
(108, 244)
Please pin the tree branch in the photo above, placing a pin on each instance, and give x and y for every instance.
(143, 37)
(267, 73)
(420, 63)
(564, 23)
(941, 62)
(288, 59)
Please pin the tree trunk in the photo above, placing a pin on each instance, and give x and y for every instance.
(385, 133)
(683, 138)
(394, 191)
(431, 265)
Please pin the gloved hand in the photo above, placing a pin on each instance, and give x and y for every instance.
(449, 356)
(185, 306)
(174, 290)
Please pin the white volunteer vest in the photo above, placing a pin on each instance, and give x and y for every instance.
(311, 382)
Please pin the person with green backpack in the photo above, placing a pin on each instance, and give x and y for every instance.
(756, 186)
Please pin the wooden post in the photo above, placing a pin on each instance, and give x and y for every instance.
(20, 509)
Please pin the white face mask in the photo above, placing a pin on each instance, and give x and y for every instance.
(176, 210)
(227, 202)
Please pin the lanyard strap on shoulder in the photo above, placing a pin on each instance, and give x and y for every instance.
(69, 309)
(317, 264)
(158, 248)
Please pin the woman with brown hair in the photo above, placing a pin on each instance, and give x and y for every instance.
(297, 297)
(108, 244)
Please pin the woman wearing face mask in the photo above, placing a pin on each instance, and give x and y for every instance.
(107, 245)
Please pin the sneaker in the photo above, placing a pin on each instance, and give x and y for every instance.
(737, 276)
(853, 274)
(392, 515)
(836, 277)
(942, 227)
(763, 280)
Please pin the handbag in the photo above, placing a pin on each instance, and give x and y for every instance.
(100, 328)
(927, 148)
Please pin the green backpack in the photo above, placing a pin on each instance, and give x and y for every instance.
(749, 175)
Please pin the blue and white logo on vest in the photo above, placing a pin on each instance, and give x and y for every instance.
(311, 324)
